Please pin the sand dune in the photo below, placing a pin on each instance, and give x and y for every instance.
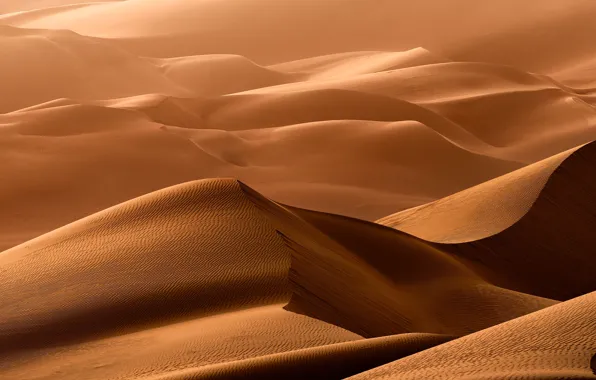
(483, 210)
(188, 189)
(212, 254)
(555, 343)
(127, 249)
(385, 273)
(138, 273)
(124, 138)
(219, 74)
(42, 65)
(166, 28)
(263, 111)
(359, 63)
(334, 361)
(534, 218)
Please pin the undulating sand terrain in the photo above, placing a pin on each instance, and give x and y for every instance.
(297, 189)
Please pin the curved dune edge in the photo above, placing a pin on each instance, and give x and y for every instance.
(107, 152)
(170, 278)
(481, 211)
(530, 221)
(376, 281)
(164, 256)
(335, 361)
(554, 343)
(215, 257)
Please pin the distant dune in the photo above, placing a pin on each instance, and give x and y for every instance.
(289, 189)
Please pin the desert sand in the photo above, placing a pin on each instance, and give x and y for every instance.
(290, 189)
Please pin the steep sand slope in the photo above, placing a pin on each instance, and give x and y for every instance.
(200, 253)
(179, 271)
(377, 281)
(554, 343)
(528, 221)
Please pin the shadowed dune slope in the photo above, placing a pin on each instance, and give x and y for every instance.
(331, 362)
(217, 258)
(266, 334)
(554, 343)
(377, 281)
(531, 221)
(169, 281)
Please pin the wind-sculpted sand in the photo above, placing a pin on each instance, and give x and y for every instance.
(259, 189)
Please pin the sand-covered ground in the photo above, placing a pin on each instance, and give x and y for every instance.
(297, 189)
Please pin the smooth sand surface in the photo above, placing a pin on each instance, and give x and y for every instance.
(290, 189)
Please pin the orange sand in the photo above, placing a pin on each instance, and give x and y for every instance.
(189, 189)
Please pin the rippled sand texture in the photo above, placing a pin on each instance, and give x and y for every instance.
(295, 189)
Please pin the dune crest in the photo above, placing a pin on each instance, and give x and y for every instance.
(156, 264)
(529, 220)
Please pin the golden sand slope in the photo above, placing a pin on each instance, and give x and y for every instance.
(527, 221)
(555, 343)
(161, 280)
(164, 279)
(377, 281)
(191, 282)
(187, 250)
